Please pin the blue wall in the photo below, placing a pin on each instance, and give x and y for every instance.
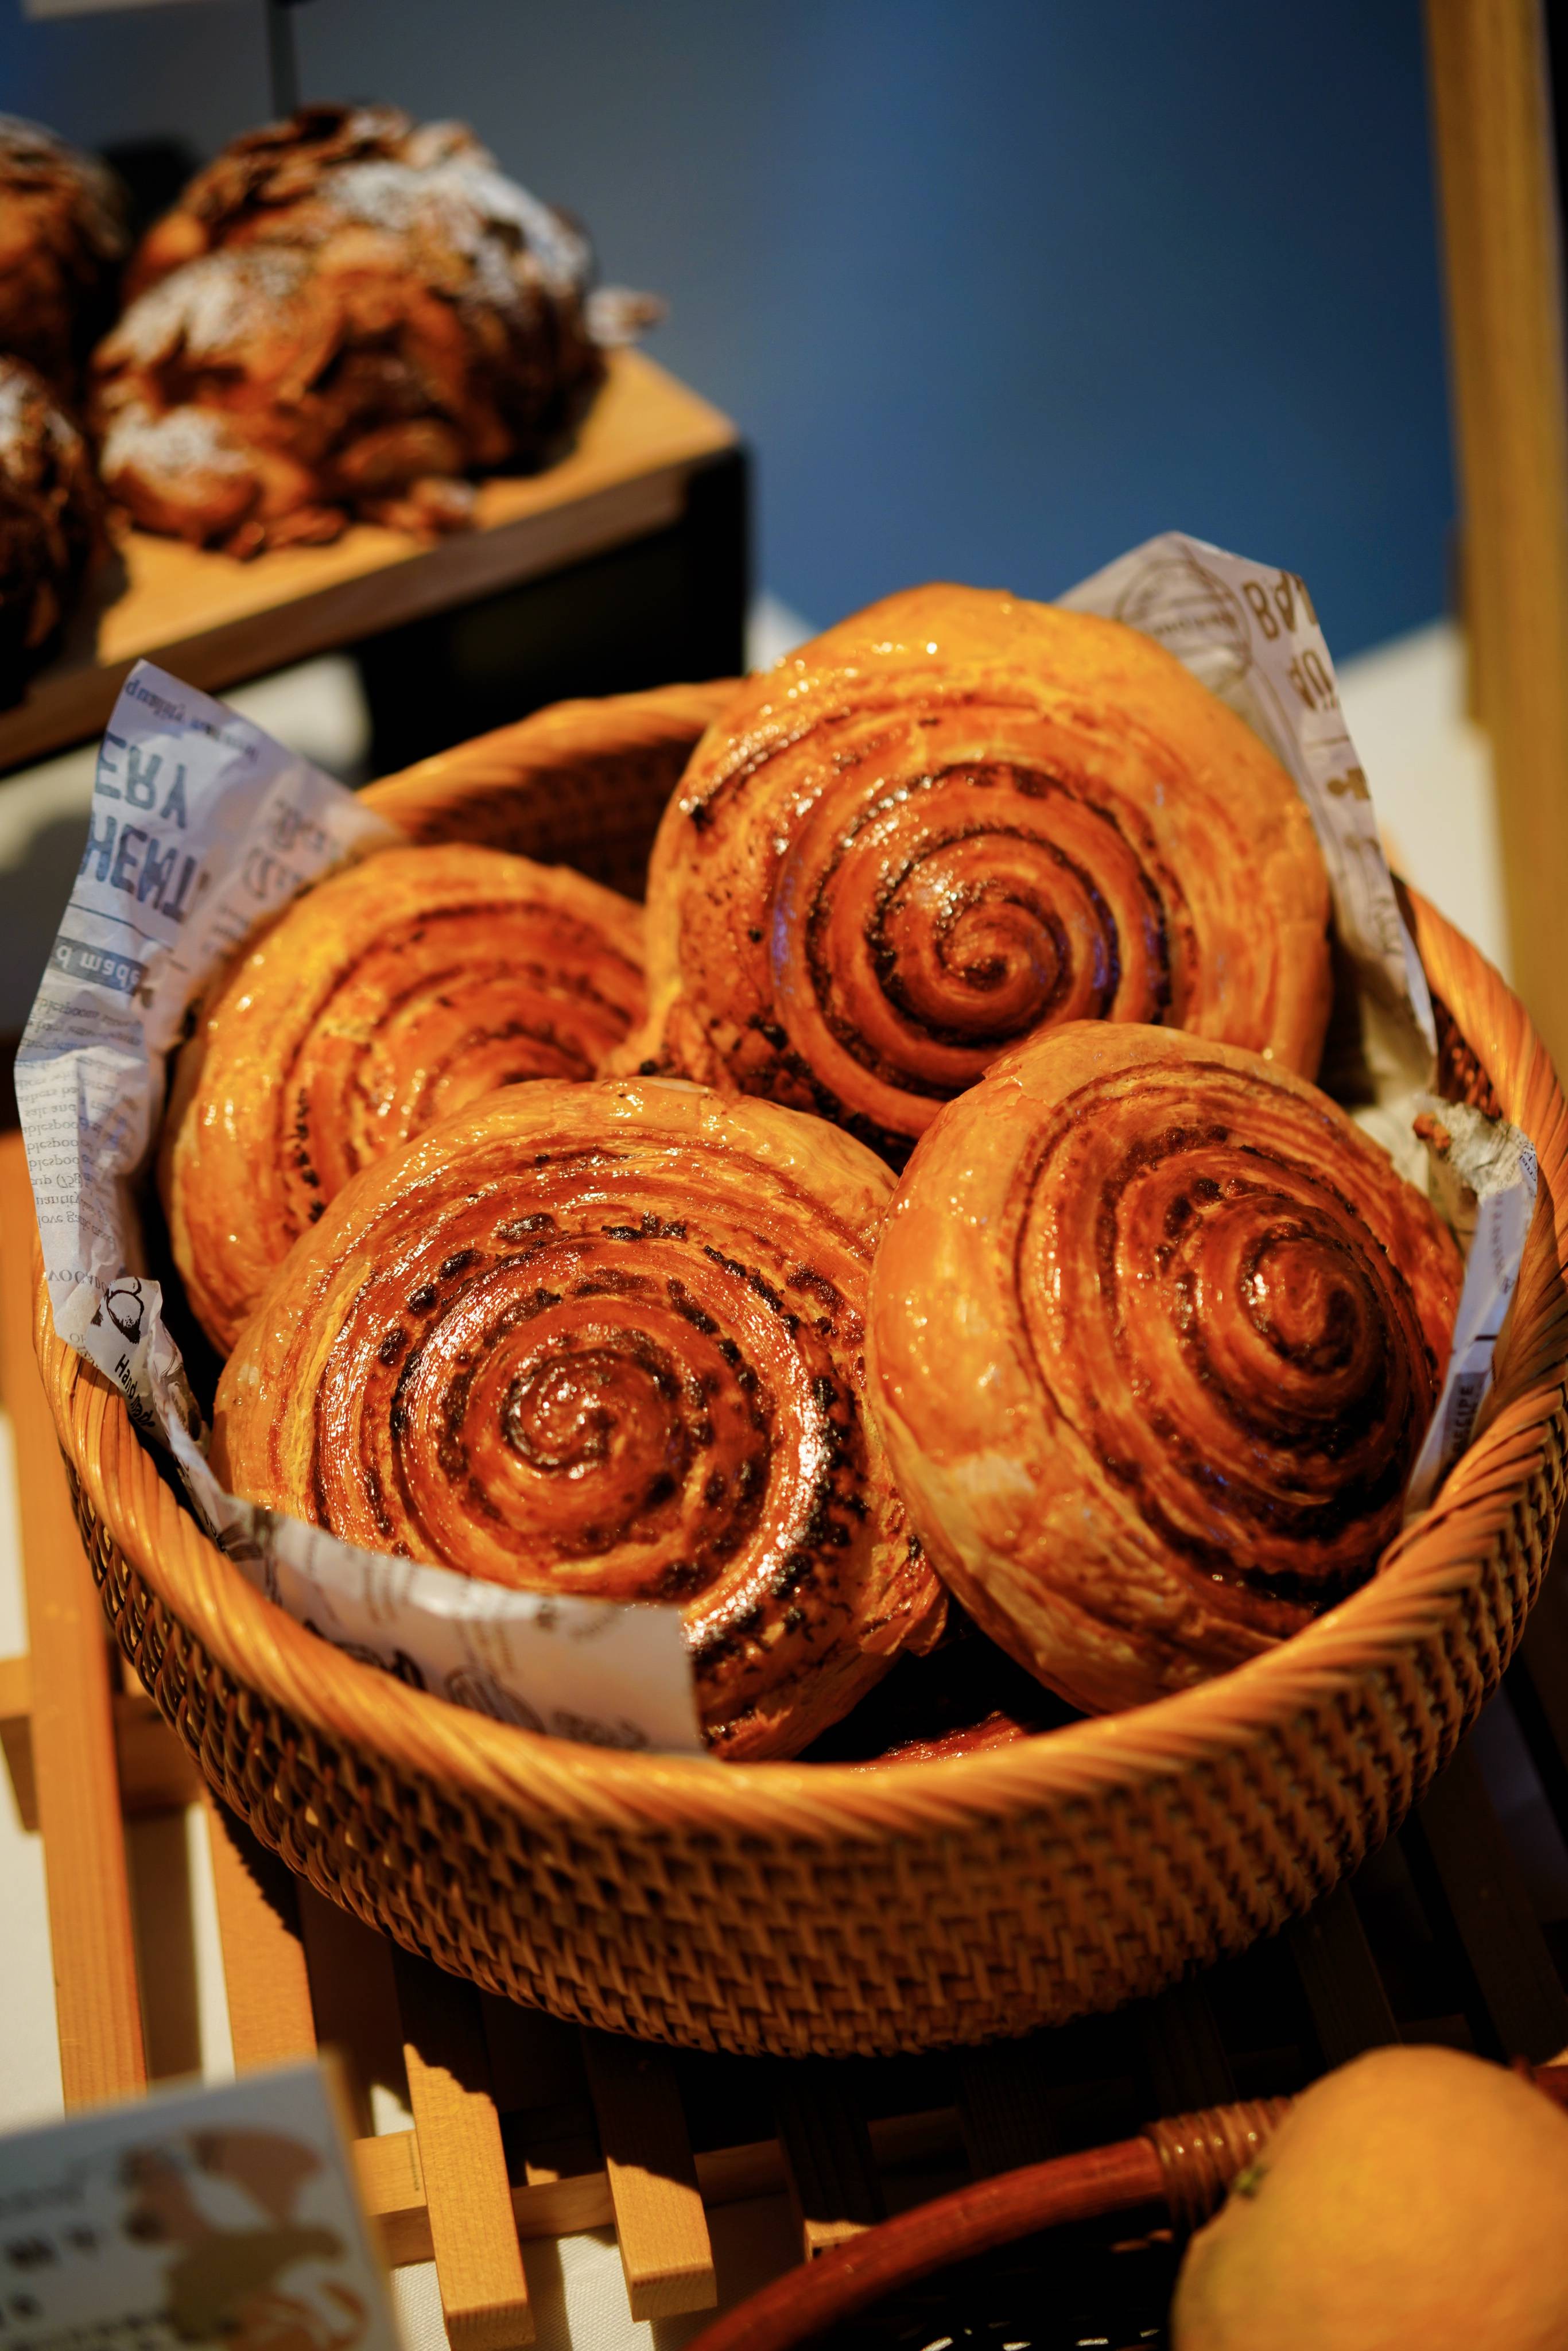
(996, 287)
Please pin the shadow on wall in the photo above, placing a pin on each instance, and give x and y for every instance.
(996, 289)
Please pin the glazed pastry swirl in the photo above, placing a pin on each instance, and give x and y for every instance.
(388, 996)
(606, 1340)
(956, 819)
(1202, 1328)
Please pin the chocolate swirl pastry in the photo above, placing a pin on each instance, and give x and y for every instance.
(606, 1340)
(346, 314)
(62, 240)
(1157, 1333)
(51, 522)
(953, 820)
(391, 995)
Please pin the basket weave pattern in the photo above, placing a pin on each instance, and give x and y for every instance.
(790, 1908)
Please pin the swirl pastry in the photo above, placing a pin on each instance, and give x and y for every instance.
(1157, 1335)
(391, 994)
(606, 1340)
(952, 821)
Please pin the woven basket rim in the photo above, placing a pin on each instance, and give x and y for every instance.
(1425, 1575)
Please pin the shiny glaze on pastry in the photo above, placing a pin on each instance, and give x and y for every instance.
(606, 1340)
(954, 819)
(1157, 1335)
(393, 993)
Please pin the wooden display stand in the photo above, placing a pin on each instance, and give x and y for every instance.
(1491, 118)
(637, 467)
(524, 2128)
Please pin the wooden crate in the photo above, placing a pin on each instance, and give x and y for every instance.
(527, 2129)
(214, 621)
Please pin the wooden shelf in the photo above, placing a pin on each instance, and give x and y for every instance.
(214, 621)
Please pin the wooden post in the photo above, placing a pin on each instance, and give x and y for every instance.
(473, 2232)
(665, 2255)
(1492, 124)
(270, 2019)
(96, 1998)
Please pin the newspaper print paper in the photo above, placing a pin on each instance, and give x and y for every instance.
(1249, 634)
(200, 826)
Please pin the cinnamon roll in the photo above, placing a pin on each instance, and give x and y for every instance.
(391, 994)
(1157, 1333)
(606, 1340)
(954, 820)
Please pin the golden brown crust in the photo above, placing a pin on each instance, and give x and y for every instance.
(606, 1340)
(391, 995)
(1157, 1333)
(953, 818)
(346, 314)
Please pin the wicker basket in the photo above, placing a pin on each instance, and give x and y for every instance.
(786, 1908)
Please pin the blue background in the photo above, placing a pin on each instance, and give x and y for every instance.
(995, 288)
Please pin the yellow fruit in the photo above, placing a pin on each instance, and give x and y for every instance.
(1417, 2197)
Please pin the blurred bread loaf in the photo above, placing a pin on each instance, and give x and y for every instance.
(62, 240)
(51, 512)
(346, 314)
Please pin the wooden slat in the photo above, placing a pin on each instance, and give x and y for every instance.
(211, 621)
(541, 2086)
(1491, 118)
(353, 1997)
(1185, 2053)
(270, 2017)
(15, 1689)
(155, 1773)
(17, 1736)
(158, 1861)
(1350, 2008)
(393, 2182)
(478, 2262)
(1003, 2107)
(834, 2186)
(1542, 1665)
(97, 2007)
(664, 2248)
(1485, 1891)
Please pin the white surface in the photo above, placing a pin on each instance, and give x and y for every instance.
(772, 629)
(1429, 771)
